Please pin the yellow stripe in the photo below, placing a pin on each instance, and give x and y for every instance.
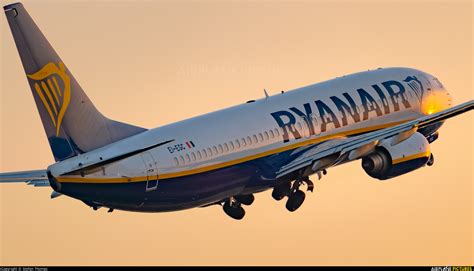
(43, 99)
(53, 90)
(104, 180)
(45, 88)
(411, 157)
(57, 86)
(225, 164)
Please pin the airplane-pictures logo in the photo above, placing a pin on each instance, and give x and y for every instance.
(53, 87)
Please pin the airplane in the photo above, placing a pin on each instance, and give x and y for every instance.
(386, 118)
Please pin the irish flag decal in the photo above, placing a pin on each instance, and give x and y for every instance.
(190, 144)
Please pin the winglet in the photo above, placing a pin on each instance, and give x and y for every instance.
(11, 6)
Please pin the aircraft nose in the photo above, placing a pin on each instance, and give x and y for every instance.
(436, 99)
(444, 98)
(447, 98)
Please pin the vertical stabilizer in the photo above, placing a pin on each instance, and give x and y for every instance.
(71, 121)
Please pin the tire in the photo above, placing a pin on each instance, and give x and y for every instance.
(236, 213)
(245, 199)
(285, 189)
(277, 195)
(281, 191)
(295, 201)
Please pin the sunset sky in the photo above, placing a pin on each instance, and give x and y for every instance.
(151, 63)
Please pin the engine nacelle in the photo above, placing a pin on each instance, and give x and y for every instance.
(389, 161)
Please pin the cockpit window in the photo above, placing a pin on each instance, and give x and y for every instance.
(438, 83)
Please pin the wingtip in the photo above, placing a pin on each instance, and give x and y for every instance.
(10, 6)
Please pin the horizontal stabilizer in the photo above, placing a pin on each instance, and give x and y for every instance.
(31, 177)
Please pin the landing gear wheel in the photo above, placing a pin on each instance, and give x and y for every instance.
(245, 199)
(236, 211)
(430, 161)
(279, 192)
(276, 195)
(295, 200)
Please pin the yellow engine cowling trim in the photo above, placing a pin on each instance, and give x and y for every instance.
(411, 157)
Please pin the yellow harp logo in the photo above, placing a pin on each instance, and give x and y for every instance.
(53, 87)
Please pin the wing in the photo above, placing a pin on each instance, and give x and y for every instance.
(31, 177)
(346, 149)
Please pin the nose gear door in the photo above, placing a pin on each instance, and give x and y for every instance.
(151, 171)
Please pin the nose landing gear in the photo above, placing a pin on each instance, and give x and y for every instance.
(233, 205)
(234, 209)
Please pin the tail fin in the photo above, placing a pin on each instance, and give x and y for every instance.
(72, 123)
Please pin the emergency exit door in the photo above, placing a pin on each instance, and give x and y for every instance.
(151, 171)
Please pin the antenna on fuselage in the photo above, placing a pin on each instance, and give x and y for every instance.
(266, 94)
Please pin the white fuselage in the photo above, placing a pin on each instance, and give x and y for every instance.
(268, 126)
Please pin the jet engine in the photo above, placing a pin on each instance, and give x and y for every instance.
(390, 160)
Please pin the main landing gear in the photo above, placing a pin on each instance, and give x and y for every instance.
(295, 196)
(233, 205)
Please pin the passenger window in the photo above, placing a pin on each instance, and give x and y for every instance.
(314, 120)
(204, 153)
(243, 143)
(272, 135)
(214, 150)
(176, 161)
(199, 156)
(237, 144)
(221, 150)
(260, 137)
(193, 156)
(266, 135)
(292, 127)
(188, 159)
(248, 140)
(254, 139)
(226, 147)
(231, 145)
(181, 160)
(277, 132)
(209, 152)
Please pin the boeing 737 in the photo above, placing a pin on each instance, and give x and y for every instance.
(386, 118)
